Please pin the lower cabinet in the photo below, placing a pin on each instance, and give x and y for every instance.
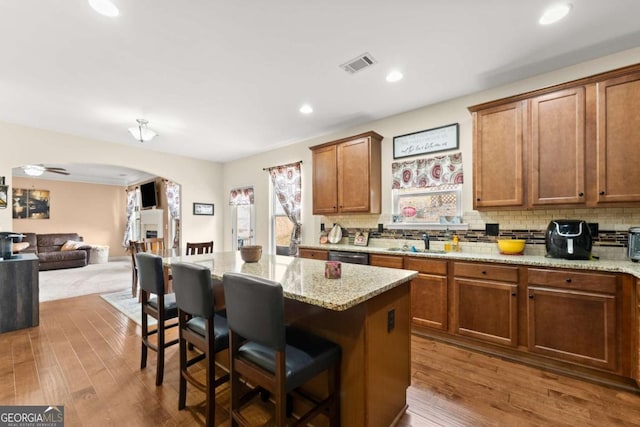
(572, 317)
(429, 293)
(313, 254)
(486, 302)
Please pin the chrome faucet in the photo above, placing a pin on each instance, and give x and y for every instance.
(425, 238)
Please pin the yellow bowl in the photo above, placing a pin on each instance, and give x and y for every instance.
(511, 246)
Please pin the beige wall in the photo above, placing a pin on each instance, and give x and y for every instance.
(94, 211)
(249, 171)
(199, 179)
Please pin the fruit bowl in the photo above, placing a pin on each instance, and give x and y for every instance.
(511, 246)
(251, 253)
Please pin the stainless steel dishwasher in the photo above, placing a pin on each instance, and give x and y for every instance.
(349, 257)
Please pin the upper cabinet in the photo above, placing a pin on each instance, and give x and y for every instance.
(569, 145)
(346, 175)
(618, 139)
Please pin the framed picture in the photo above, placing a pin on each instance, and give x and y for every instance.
(3, 196)
(361, 238)
(442, 138)
(30, 204)
(203, 208)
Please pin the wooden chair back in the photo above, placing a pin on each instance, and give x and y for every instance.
(154, 245)
(135, 247)
(199, 248)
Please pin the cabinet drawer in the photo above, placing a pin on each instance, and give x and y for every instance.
(568, 279)
(486, 272)
(314, 254)
(390, 261)
(425, 265)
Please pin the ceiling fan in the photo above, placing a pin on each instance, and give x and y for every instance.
(37, 170)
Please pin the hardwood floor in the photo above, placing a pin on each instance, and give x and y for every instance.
(85, 355)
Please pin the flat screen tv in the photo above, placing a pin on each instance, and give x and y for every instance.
(148, 195)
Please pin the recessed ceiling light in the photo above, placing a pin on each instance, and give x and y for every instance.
(555, 13)
(394, 76)
(306, 109)
(105, 8)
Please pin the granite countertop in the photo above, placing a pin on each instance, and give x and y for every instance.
(303, 279)
(613, 266)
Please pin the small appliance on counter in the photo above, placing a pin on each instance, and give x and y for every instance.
(6, 244)
(568, 239)
(634, 244)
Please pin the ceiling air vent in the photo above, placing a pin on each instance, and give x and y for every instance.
(358, 63)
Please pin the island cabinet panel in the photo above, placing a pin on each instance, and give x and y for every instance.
(429, 293)
(557, 148)
(572, 316)
(486, 302)
(497, 156)
(19, 293)
(618, 124)
(313, 254)
(347, 175)
(389, 261)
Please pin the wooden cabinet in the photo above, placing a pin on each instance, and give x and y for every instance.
(572, 316)
(389, 261)
(429, 293)
(557, 148)
(618, 156)
(486, 302)
(313, 254)
(575, 138)
(497, 156)
(346, 175)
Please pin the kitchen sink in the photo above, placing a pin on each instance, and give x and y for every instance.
(418, 251)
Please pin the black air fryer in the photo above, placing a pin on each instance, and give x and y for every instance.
(568, 239)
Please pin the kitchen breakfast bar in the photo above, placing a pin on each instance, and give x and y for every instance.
(366, 311)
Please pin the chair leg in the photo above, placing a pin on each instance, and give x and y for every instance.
(160, 358)
(280, 395)
(182, 393)
(234, 382)
(211, 389)
(334, 389)
(145, 335)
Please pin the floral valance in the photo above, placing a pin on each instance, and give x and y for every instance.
(428, 172)
(241, 196)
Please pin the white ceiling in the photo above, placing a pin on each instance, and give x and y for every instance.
(221, 80)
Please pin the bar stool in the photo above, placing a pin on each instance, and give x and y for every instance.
(201, 327)
(199, 248)
(279, 359)
(157, 304)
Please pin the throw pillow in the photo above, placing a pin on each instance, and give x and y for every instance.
(72, 245)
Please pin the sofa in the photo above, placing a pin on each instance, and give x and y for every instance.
(58, 250)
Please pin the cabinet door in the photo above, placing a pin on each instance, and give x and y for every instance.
(487, 311)
(497, 156)
(572, 325)
(353, 176)
(557, 148)
(429, 301)
(325, 180)
(618, 173)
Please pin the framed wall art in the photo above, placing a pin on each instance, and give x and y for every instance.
(442, 138)
(203, 208)
(3, 196)
(361, 238)
(30, 204)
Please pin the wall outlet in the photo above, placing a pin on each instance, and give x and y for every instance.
(492, 229)
(594, 227)
(391, 319)
(322, 226)
(380, 228)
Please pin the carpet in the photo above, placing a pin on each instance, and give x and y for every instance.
(127, 305)
(91, 279)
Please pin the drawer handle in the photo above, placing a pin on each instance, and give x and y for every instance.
(581, 194)
(484, 272)
(568, 280)
(530, 296)
(513, 294)
(602, 193)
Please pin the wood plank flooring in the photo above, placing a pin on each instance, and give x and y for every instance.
(85, 355)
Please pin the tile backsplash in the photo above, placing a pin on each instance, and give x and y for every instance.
(611, 242)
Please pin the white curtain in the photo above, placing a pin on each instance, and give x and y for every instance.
(132, 202)
(173, 200)
(287, 184)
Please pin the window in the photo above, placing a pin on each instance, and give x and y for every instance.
(432, 205)
(281, 227)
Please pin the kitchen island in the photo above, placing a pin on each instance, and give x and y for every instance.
(19, 292)
(366, 311)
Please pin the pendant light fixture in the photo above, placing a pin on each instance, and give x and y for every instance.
(142, 133)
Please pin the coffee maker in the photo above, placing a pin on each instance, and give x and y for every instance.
(634, 244)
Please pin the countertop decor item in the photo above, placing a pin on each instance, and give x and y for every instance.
(511, 246)
(251, 253)
(335, 235)
(332, 269)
